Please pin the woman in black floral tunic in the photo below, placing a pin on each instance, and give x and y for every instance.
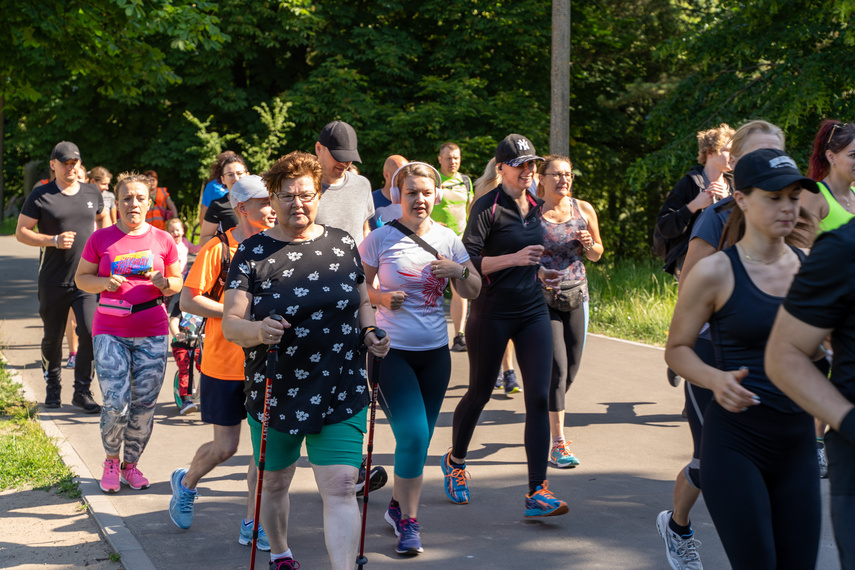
(312, 276)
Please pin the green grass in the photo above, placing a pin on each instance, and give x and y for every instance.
(28, 457)
(631, 299)
(8, 225)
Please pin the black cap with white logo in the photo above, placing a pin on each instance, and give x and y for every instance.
(771, 170)
(515, 150)
(65, 151)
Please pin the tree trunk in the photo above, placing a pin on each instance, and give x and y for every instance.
(559, 131)
(2, 180)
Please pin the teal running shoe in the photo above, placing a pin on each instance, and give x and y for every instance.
(181, 503)
(542, 503)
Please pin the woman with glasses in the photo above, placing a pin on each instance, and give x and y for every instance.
(311, 276)
(409, 301)
(832, 165)
(505, 242)
(220, 216)
(571, 234)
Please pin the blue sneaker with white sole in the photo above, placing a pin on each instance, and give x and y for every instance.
(245, 537)
(181, 503)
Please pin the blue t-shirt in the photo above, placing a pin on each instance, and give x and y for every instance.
(384, 210)
(212, 191)
(710, 224)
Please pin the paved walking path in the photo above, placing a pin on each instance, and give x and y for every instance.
(623, 417)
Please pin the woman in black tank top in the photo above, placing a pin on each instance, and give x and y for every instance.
(759, 474)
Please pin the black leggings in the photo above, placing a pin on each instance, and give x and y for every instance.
(486, 340)
(761, 486)
(568, 340)
(54, 303)
(697, 400)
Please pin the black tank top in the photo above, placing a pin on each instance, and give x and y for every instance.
(740, 330)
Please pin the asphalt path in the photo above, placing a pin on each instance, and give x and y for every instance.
(623, 417)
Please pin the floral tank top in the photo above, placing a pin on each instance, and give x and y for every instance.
(563, 250)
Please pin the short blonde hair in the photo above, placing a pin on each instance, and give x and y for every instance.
(713, 140)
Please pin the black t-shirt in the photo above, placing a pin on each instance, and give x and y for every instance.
(314, 285)
(495, 228)
(221, 212)
(57, 213)
(823, 296)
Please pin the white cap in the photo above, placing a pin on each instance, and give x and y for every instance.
(247, 188)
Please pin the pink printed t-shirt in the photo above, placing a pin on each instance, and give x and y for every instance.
(117, 253)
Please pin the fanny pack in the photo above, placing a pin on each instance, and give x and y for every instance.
(121, 308)
(566, 297)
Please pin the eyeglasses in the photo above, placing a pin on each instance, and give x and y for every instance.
(834, 128)
(239, 174)
(289, 198)
(559, 175)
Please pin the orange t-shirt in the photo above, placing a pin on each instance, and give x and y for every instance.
(221, 359)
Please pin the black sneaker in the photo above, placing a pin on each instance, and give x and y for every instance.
(52, 396)
(673, 378)
(83, 399)
(187, 406)
(459, 344)
(376, 481)
(511, 384)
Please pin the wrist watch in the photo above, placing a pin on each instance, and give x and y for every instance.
(465, 273)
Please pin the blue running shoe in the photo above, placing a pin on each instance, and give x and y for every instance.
(181, 503)
(542, 503)
(561, 456)
(409, 541)
(455, 481)
(511, 384)
(393, 516)
(245, 537)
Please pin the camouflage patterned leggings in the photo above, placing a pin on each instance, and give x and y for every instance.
(130, 373)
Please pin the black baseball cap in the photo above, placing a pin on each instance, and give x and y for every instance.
(515, 150)
(340, 140)
(769, 169)
(65, 151)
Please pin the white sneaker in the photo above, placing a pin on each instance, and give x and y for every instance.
(681, 551)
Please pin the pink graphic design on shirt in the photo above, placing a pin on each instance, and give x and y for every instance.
(431, 286)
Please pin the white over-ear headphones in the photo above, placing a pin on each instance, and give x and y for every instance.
(395, 192)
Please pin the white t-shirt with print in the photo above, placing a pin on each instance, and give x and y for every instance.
(403, 265)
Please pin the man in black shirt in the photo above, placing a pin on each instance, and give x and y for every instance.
(66, 212)
(821, 301)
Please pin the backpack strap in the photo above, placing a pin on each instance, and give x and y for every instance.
(419, 241)
(219, 286)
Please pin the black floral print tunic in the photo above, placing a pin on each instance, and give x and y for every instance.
(313, 285)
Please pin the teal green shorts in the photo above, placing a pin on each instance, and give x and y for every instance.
(337, 444)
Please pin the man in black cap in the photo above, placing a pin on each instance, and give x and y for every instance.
(66, 212)
(346, 201)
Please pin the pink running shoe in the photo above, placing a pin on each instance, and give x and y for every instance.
(133, 478)
(110, 477)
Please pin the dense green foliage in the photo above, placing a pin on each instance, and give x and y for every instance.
(166, 84)
(408, 75)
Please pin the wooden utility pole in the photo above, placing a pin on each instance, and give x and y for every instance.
(559, 129)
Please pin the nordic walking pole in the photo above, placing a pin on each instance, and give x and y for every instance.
(272, 362)
(361, 560)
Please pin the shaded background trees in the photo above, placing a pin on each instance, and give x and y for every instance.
(133, 81)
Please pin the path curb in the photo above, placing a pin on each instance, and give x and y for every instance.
(112, 526)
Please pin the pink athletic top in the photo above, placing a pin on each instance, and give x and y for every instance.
(117, 253)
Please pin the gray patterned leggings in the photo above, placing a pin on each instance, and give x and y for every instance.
(130, 373)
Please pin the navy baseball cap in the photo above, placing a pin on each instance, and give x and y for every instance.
(769, 169)
(515, 150)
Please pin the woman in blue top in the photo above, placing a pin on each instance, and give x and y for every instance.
(409, 301)
(759, 478)
(571, 234)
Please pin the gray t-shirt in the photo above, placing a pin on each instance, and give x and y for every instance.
(109, 200)
(347, 205)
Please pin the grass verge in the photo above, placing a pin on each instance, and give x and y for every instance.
(631, 299)
(8, 226)
(28, 457)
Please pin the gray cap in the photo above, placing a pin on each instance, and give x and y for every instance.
(247, 188)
